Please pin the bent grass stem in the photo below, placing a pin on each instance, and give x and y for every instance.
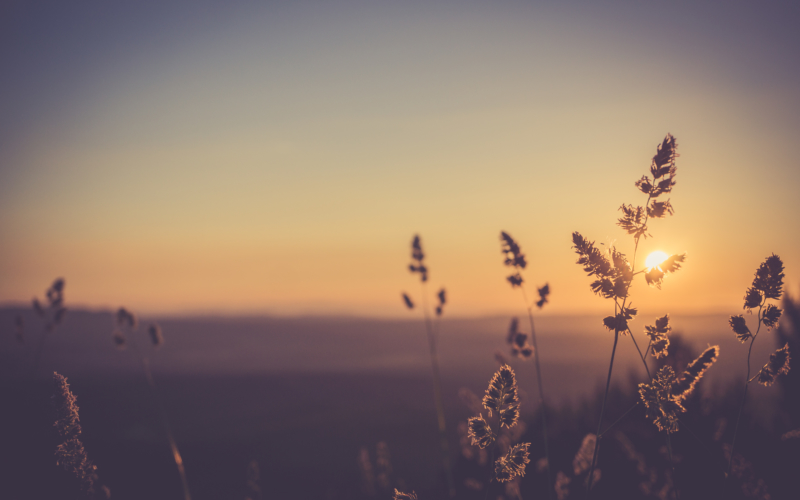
(541, 390)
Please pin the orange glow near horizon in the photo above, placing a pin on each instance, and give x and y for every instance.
(280, 162)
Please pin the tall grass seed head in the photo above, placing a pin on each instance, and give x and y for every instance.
(409, 303)
(479, 432)
(770, 316)
(778, 365)
(684, 386)
(502, 397)
(739, 327)
(513, 463)
(663, 166)
(661, 407)
(70, 454)
(633, 221)
(417, 256)
(582, 461)
(752, 298)
(769, 277)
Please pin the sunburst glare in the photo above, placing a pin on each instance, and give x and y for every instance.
(655, 259)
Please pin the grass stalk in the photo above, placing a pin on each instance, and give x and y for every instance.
(437, 395)
(176, 454)
(744, 397)
(602, 412)
(541, 391)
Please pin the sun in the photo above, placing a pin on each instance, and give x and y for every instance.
(655, 259)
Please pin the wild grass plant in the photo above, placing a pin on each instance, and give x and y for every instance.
(125, 335)
(417, 266)
(52, 316)
(501, 402)
(515, 259)
(767, 285)
(614, 277)
(70, 454)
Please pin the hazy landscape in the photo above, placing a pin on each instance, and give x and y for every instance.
(301, 396)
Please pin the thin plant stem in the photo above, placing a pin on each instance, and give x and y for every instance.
(669, 439)
(602, 412)
(437, 396)
(618, 420)
(491, 472)
(744, 396)
(176, 454)
(541, 390)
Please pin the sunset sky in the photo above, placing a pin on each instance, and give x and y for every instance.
(277, 158)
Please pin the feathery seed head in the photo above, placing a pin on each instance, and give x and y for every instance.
(55, 294)
(502, 391)
(769, 277)
(752, 298)
(660, 209)
(778, 365)
(739, 326)
(644, 185)
(514, 461)
(417, 256)
(399, 495)
(771, 316)
(70, 454)
(543, 293)
(479, 432)
(656, 274)
(633, 221)
(513, 255)
(619, 323)
(594, 262)
(155, 335)
(67, 418)
(684, 386)
(583, 458)
(407, 300)
(659, 336)
(125, 317)
(661, 407)
(442, 297)
(515, 279)
(663, 164)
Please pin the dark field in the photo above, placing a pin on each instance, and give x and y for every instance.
(302, 397)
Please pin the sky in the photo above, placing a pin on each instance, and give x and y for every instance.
(277, 158)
